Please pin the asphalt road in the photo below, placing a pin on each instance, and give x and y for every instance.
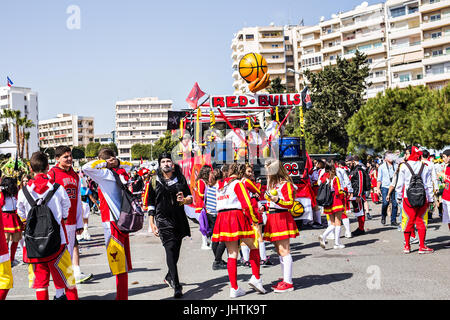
(371, 267)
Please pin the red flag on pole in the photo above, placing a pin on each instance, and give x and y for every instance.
(195, 95)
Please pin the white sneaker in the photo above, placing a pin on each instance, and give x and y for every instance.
(237, 293)
(86, 235)
(205, 247)
(80, 278)
(330, 236)
(339, 246)
(256, 284)
(348, 234)
(322, 242)
(414, 240)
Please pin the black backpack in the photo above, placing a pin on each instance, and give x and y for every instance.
(324, 195)
(42, 231)
(366, 184)
(131, 217)
(416, 191)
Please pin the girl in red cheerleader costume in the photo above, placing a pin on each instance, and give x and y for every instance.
(280, 226)
(373, 181)
(336, 209)
(11, 221)
(235, 221)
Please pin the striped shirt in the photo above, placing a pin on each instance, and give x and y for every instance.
(210, 200)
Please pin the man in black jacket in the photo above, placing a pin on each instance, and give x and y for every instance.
(167, 195)
(357, 181)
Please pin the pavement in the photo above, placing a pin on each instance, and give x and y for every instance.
(371, 267)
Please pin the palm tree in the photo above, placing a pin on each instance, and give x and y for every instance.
(24, 123)
(13, 115)
(27, 137)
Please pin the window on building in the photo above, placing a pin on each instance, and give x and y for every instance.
(435, 17)
(398, 12)
(405, 77)
(249, 37)
(436, 35)
(274, 45)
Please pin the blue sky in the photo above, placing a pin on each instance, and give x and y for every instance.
(128, 49)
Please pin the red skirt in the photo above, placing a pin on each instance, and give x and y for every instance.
(337, 206)
(11, 222)
(232, 226)
(280, 226)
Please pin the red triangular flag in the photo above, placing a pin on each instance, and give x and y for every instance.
(195, 95)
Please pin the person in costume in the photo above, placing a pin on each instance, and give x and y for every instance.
(166, 199)
(445, 176)
(59, 264)
(201, 184)
(280, 226)
(110, 196)
(64, 174)
(11, 221)
(6, 277)
(356, 195)
(236, 221)
(337, 207)
(413, 216)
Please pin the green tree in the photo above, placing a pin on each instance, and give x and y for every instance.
(92, 149)
(337, 93)
(78, 152)
(140, 151)
(164, 144)
(402, 117)
(276, 86)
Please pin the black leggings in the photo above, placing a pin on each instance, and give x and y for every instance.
(218, 248)
(172, 248)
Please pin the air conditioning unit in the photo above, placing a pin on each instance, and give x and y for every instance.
(392, 24)
(395, 75)
(383, 39)
(428, 67)
(393, 41)
(427, 54)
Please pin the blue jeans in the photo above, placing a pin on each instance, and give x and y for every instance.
(384, 206)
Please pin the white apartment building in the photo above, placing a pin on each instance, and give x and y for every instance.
(26, 101)
(66, 129)
(104, 138)
(140, 120)
(407, 43)
(273, 43)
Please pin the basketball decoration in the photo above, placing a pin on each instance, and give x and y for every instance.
(253, 69)
(297, 209)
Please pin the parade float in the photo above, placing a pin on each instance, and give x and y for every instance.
(202, 141)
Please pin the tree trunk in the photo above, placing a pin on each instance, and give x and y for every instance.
(26, 149)
(22, 142)
(17, 139)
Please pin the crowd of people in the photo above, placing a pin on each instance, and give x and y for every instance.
(238, 213)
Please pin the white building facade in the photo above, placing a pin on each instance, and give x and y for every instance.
(26, 101)
(407, 42)
(140, 120)
(66, 129)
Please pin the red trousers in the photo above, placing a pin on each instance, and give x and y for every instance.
(415, 217)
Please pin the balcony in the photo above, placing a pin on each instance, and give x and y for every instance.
(279, 60)
(380, 79)
(429, 25)
(407, 67)
(310, 42)
(415, 46)
(379, 34)
(405, 17)
(429, 7)
(332, 49)
(430, 60)
(316, 67)
(437, 77)
(405, 84)
(272, 50)
(430, 42)
(332, 35)
(405, 32)
(357, 25)
(236, 75)
(272, 39)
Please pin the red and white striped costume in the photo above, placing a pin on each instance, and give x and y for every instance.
(338, 194)
(235, 212)
(280, 223)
